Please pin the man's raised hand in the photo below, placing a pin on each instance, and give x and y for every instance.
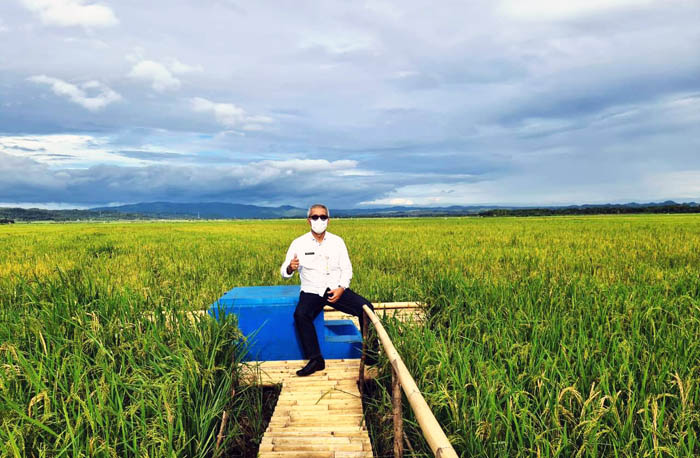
(335, 294)
(293, 265)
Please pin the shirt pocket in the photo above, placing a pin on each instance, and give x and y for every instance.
(333, 260)
(312, 261)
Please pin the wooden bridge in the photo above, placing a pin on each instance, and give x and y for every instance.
(321, 415)
(315, 416)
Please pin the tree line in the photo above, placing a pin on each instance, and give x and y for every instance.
(594, 210)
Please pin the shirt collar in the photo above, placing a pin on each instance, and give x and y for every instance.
(311, 235)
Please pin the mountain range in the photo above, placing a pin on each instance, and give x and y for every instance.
(222, 210)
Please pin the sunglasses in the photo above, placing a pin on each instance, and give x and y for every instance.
(316, 217)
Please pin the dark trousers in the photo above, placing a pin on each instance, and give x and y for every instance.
(310, 305)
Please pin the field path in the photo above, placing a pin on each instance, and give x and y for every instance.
(315, 416)
(320, 416)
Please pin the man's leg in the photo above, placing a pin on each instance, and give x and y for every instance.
(309, 306)
(351, 303)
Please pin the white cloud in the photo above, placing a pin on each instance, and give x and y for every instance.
(160, 75)
(229, 114)
(310, 165)
(157, 74)
(63, 150)
(178, 67)
(392, 201)
(101, 96)
(68, 13)
(557, 9)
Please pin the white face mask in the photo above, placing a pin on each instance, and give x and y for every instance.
(319, 226)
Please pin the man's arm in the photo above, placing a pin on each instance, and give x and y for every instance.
(291, 256)
(345, 266)
(345, 274)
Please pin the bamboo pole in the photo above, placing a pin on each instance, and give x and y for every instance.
(220, 437)
(433, 433)
(387, 306)
(398, 416)
(363, 325)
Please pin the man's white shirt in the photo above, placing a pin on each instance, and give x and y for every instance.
(321, 265)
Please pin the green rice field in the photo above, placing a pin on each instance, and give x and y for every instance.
(557, 336)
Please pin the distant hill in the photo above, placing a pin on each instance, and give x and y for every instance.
(40, 214)
(207, 210)
(222, 210)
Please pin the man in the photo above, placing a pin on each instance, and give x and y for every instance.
(325, 271)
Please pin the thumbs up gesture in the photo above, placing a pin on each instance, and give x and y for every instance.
(294, 264)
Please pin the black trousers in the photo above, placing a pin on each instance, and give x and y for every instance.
(310, 305)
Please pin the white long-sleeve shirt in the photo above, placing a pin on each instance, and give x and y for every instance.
(321, 265)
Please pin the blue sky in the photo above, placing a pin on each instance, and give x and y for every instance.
(350, 103)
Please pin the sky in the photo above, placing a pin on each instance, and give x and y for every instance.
(353, 104)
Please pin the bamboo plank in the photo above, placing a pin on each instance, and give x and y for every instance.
(320, 410)
(314, 428)
(311, 440)
(306, 454)
(352, 455)
(307, 447)
(357, 433)
(297, 454)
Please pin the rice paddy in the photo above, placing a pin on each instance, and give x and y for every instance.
(559, 336)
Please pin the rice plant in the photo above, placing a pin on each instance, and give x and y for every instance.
(559, 336)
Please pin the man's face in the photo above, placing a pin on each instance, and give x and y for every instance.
(317, 214)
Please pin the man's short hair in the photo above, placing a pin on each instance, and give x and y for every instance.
(308, 213)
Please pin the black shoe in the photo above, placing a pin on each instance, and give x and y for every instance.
(316, 364)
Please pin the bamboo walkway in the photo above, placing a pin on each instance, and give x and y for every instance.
(320, 416)
(315, 416)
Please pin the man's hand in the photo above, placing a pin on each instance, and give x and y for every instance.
(335, 294)
(294, 265)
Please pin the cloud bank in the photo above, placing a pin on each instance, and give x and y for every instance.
(382, 102)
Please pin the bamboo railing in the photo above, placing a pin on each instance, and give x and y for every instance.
(401, 379)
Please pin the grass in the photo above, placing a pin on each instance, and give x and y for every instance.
(559, 336)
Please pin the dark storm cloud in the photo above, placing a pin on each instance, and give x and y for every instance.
(261, 181)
